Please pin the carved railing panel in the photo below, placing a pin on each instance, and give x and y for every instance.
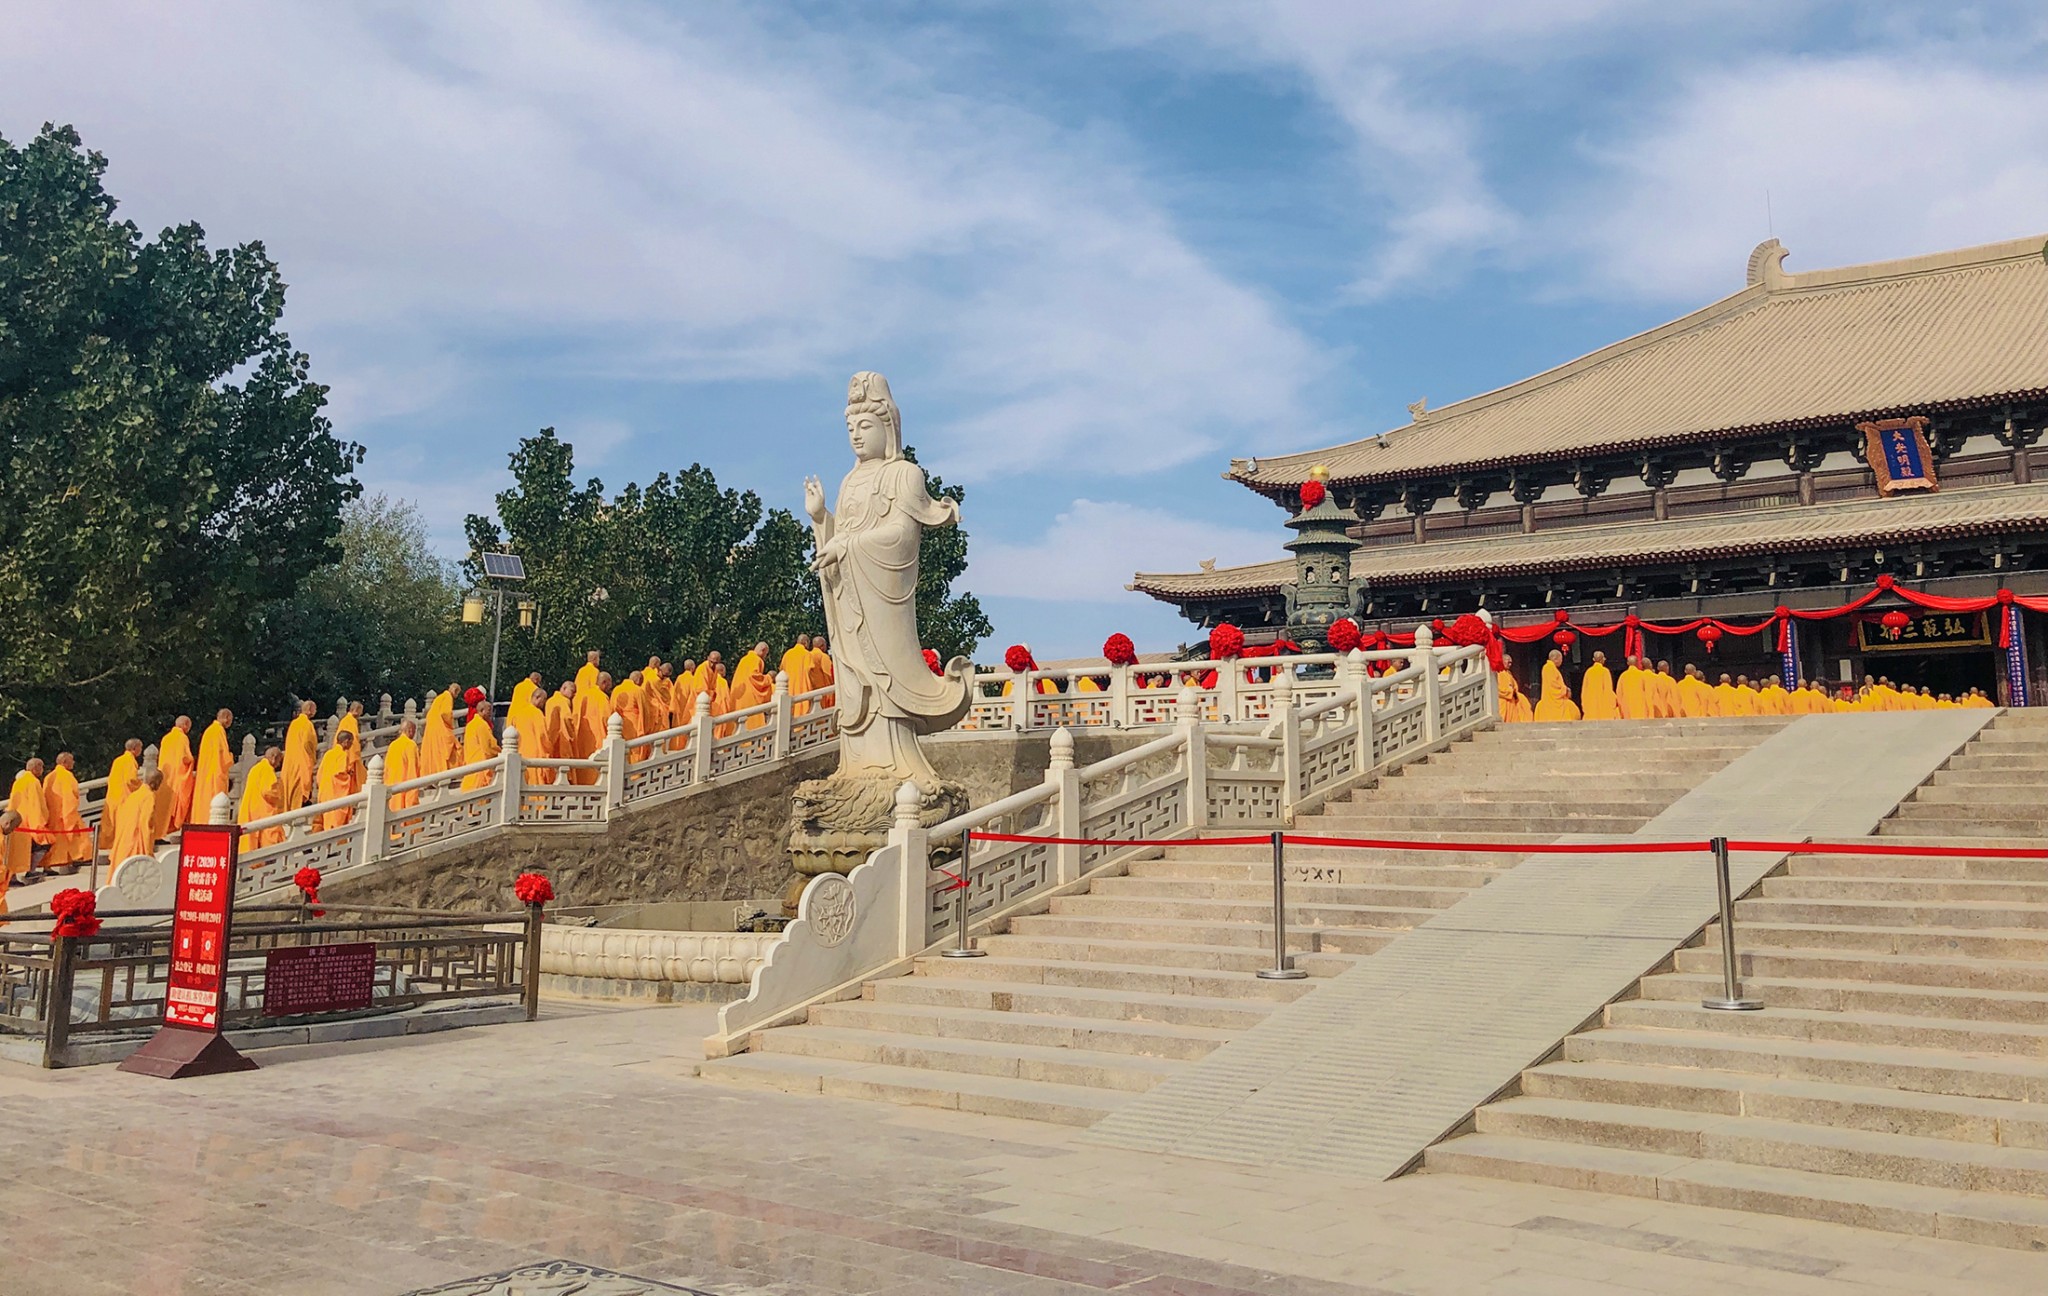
(664, 771)
(565, 802)
(1153, 809)
(455, 813)
(326, 850)
(747, 747)
(813, 730)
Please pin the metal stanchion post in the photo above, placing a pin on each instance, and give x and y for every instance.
(963, 944)
(1731, 999)
(1283, 968)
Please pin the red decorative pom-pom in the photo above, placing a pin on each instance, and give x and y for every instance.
(308, 881)
(533, 888)
(1466, 632)
(1118, 650)
(473, 695)
(931, 659)
(73, 910)
(1225, 642)
(1343, 635)
(1312, 494)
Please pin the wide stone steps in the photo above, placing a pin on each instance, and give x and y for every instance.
(1128, 1072)
(1933, 942)
(2031, 830)
(1898, 970)
(1998, 1122)
(1987, 868)
(1168, 1040)
(2013, 761)
(1247, 912)
(2020, 1079)
(1154, 978)
(1895, 913)
(2008, 1039)
(1299, 892)
(1150, 953)
(1056, 1104)
(1177, 931)
(1353, 864)
(1959, 1003)
(1963, 1216)
(1095, 1003)
(1781, 1145)
(1417, 826)
(1909, 890)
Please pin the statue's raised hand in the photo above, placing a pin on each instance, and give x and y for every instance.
(814, 499)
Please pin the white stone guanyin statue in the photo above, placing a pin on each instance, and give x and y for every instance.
(887, 696)
(867, 565)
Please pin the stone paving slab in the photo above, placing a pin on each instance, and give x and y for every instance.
(1384, 1059)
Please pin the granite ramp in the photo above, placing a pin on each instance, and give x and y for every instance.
(1390, 1055)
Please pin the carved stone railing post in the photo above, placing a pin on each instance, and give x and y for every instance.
(384, 706)
(376, 806)
(412, 711)
(1425, 655)
(149, 755)
(513, 773)
(1290, 741)
(785, 715)
(1065, 782)
(1492, 679)
(1120, 690)
(222, 811)
(907, 834)
(1229, 685)
(614, 750)
(1195, 754)
(1027, 689)
(700, 738)
(1354, 674)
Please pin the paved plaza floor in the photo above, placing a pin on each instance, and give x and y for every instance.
(475, 1161)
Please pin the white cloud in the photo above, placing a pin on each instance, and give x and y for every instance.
(673, 198)
(1090, 550)
(1863, 159)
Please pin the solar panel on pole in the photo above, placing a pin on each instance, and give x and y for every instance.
(504, 566)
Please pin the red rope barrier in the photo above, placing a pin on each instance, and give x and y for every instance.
(1547, 848)
(1527, 848)
(1891, 848)
(1266, 840)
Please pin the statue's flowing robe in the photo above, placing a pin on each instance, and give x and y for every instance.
(871, 615)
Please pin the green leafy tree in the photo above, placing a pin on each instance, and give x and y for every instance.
(384, 619)
(952, 624)
(675, 568)
(165, 468)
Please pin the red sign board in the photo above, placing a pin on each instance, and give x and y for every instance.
(318, 978)
(199, 928)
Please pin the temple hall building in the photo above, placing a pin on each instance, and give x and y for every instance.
(1787, 446)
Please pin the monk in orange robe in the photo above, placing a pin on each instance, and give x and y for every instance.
(587, 673)
(593, 710)
(438, 743)
(559, 724)
(135, 819)
(526, 717)
(126, 766)
(721, 697)
(654, 697)
(756, 687)
(1596, 691)
(629, 705)
(25, 801)
(402, 765)
(683, 702)
(214, 768)
(71, 842)
(1696, 698)
(262, 798)
(352, 724)
(821, 669)
(1555, 703)
(301, 758)
(1514, 704)
(796, 665)
(1632, 690)
(337, 779)
(174, 758)
(479, 743)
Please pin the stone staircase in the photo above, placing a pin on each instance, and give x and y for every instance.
(1076, 1010)
(1898, 1077)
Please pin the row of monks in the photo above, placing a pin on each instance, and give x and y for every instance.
(1644, 691)
(42, 829)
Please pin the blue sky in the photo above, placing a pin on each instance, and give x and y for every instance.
(1097, 247)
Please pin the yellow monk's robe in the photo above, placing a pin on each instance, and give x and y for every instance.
(1556, 702)
(437, 735)
(125, 767)
(558, 729)
(70, 841)
(1746, 701)
(478, 744)
(629, 704)
(402, 763)
(586, 678)
(1514, 704)
(683, 702)
(349, 725)
(750, 664)
(215, 768)
(337, 779)
(528, 690)
(1772, 699)
(1800, 702)
(301, 758)
(160, 823)
(593, 708)
(821, 674)
(134, 826)
(532, 725)
(1696, 700)
(174, 758)
(262, 797)
(1596, 693)
(1087, 684)
(1632, 694)
(721, 704)
(25, 798)
(796, 664)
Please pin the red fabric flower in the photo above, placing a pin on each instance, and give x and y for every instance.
(533, 888)
(931, 659)
(1226, 641)
(308, 881)
(1018, 658)
(1118, 650)
(473, 695)
(1312, 494)
(1343, 635)
(73, 910)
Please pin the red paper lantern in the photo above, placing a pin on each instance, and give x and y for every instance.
(1895, 623)
(1565, 638)
(1710, 635)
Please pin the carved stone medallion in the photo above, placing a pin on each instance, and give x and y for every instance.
(828, 905)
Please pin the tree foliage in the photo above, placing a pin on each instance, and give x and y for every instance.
(677, 567)
(953, 624)
(165, 468)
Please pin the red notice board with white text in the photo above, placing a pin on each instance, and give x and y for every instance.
(199, 928)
